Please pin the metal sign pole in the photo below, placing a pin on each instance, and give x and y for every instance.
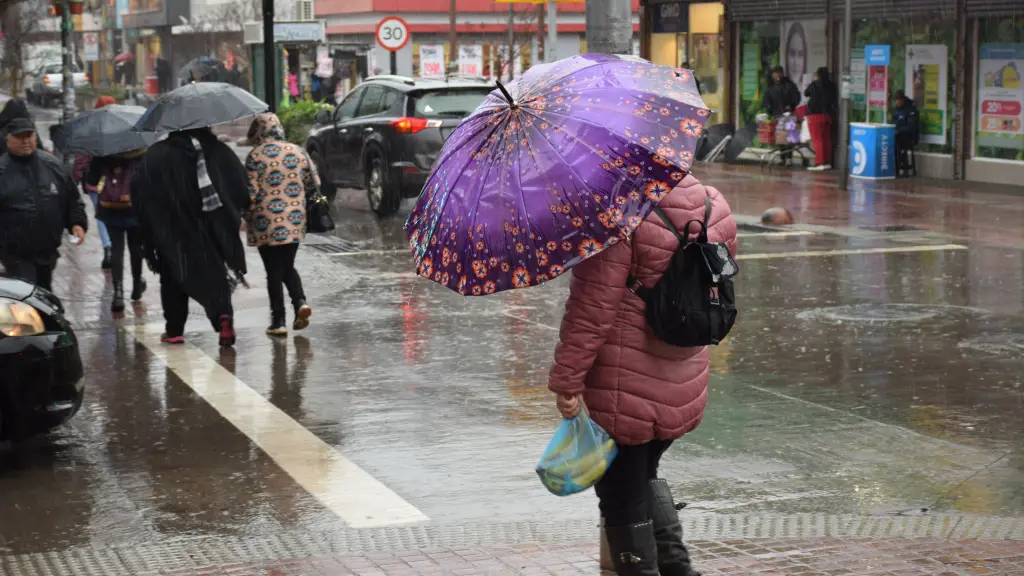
(844, 103)
(269, 56)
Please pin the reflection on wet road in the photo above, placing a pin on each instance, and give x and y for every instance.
(872, 372)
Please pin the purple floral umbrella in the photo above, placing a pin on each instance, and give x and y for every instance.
(563, 163)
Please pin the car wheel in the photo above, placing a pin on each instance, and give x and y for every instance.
(327, 188)
(383, 200)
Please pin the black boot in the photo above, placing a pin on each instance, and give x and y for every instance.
(138, 288)
(117, 304)
(105, 264)
(633, 549)
(673, 558)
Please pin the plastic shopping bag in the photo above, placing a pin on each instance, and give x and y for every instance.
(577, 457)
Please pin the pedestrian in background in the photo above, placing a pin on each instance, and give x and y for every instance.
(81, 165)
(110, 177)
(908, 130)
(38, 201)
(782, 94)
(822, 107)
(644, 392)
(280, 177)
(188, 195)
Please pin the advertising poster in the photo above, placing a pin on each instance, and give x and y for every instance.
(926, 81)
(471, 59)
(858, 79)
(1001, 96)
(431, 60)
(804, 50)
(878, 92)
(750, 70)
(91, 46)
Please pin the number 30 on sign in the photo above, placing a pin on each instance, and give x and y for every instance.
(392, 33)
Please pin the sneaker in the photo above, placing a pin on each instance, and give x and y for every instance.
(277, 329)
(302, 314)
(819, 168)
(172, 339)
(227, 331)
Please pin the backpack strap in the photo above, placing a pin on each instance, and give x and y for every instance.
(632, 283)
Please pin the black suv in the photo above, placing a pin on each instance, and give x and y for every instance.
(387, 133)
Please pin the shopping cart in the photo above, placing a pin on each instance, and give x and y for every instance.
(786, 136)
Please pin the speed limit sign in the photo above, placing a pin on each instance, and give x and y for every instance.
(392, 33)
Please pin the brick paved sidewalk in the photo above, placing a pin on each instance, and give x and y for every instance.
(787, 557)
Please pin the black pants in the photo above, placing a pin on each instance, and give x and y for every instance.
(29, 270)
(904, 144)
(623, 492)
(119, 237)
(279, 262)
(175, 303)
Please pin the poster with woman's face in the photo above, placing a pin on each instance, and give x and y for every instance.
(804, 49)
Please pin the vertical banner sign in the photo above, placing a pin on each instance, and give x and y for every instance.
(91, 46)
(877, 86)
(431, 60)
(1001, 96)
(858, 79)
(926, 82)
(750, 70)
(877, 58)
(804, 50)
(471, 59)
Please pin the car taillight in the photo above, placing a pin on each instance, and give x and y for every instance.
(46, 79)
(413, 125)
(86, 77)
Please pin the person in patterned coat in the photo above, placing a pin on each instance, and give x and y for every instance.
(280, 176)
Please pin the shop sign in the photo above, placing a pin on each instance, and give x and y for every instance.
(750, 69)
(670, 18)
(292, 32)
(1001, 96)
(431, 60)
(926, 81)
(91, 46)
(877, 54)
(471, 59)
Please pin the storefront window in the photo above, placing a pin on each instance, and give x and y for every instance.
(921, 64)
(759, 53)
(999, 124)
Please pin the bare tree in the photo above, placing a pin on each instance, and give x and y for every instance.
(19, 20)
(522, 23)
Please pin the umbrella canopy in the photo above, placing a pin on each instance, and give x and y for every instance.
(124, 57)
(199, 105)
(107, 131)
(564, 162)
(202, 69)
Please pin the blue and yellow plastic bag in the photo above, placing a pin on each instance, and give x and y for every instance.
(577, 457)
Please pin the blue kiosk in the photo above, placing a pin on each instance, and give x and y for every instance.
(872, 150)
(873, 146)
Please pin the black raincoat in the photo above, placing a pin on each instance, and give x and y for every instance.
(198, 249)
(38, 201)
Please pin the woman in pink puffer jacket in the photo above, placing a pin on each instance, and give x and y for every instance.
(644, 392)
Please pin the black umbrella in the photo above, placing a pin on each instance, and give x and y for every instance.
(740, 141)
(107, 131)
(202, 69)
(199, 105)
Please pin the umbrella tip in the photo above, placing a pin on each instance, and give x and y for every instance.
(505, 93)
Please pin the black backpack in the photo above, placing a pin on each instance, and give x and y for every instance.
(693, 304)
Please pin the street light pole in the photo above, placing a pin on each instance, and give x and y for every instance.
(453, 42)
(843, 161)
(609, 27)
(551, 49)
(511, 40)
(67, 80)
(269, 56)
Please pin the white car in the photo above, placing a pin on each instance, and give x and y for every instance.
(47, 84)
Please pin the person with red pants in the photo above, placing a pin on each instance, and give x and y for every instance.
(822, 106)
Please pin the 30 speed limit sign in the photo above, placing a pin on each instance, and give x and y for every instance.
(392, 33)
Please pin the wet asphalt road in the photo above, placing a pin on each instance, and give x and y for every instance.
(872, 373)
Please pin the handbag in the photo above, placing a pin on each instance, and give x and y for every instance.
(318, 209)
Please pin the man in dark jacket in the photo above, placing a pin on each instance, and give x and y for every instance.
(908, 129)
(38, 201)
(13, 109)
(782, 94)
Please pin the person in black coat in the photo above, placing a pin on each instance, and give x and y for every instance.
(189, 238)
(38, 202)
(908, 129)
(822, 106)
(782, 94)
(14, 108)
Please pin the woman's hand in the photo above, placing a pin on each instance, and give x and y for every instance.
(569, 406)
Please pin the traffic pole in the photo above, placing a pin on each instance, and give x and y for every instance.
(67, 80)
(843, 151)
(551, 49)
(269, 56)
(453, 42)
(609, 27)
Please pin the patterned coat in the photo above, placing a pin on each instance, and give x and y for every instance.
(280, 177)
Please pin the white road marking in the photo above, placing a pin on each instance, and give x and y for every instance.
(850, 252)
(339, 484)
(368, 252)
(781, 234)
